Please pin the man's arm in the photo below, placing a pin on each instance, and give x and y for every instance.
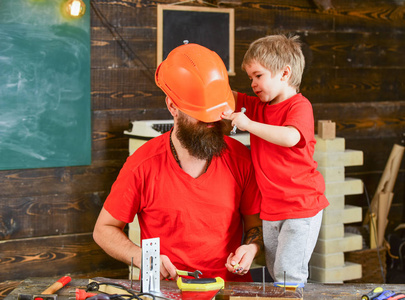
(241, 261)
(108, 234)
(253, 231)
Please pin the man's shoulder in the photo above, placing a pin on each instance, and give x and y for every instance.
(152, 148)
(236, 148)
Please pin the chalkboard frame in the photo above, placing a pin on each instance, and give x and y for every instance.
(226, 14)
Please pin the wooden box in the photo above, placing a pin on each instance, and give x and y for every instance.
(374, 268)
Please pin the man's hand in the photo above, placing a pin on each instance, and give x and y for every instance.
(240, 262)
(167, 269)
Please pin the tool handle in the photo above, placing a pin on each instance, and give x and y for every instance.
(372, 294)
(82, 294)
(184, 273)
(57, 285)
(385, 295)
(102, 296)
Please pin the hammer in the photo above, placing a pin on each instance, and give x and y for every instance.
(49, 293)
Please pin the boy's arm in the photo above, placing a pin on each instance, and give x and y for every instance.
(285, 136)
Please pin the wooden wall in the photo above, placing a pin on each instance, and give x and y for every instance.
(355, 76)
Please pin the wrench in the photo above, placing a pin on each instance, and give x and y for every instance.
(233, 131)
(194, 274)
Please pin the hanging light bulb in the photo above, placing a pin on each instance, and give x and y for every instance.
(74, 8)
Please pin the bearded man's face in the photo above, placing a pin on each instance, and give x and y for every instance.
(201, 141)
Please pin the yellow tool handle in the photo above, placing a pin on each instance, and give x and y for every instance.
(184, 273)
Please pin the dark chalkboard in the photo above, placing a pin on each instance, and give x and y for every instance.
(44, 86)
(209, 27)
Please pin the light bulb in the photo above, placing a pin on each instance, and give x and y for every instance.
(74, 8)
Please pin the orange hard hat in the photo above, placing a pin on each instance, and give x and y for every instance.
(196, 80)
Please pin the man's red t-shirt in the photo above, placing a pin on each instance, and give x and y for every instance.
(198, 220)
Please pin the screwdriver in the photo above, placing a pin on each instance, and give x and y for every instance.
(384, 295)
(372, 294)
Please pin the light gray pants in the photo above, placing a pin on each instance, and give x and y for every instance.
(289, 245)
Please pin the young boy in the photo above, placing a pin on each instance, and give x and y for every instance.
(281, 125)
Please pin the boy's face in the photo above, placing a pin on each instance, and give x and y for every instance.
(267, 87)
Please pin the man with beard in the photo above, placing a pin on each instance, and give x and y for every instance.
(192, 187)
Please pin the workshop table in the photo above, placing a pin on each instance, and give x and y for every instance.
(36, 285)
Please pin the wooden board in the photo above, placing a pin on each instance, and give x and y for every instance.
(240, 291)
(311, 290)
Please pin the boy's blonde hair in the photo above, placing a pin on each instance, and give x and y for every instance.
(274, 52)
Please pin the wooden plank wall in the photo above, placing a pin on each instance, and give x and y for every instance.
(355, 76)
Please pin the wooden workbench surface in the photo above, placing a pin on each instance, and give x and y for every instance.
(311, 290)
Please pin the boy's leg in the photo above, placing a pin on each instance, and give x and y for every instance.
(296, 242)
(270, 236)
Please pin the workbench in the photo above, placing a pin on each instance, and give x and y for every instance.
(36, 285)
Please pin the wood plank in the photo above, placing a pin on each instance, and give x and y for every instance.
(364, 120)
(344, 50)
(53, 256)
(311, 290)
(119, 120)
(55, 214)
(6, 287)
(124, 13)
(131, 47)
(353, 85)
(333, 85)
(73, 181)
(288, 15)
(126, 88)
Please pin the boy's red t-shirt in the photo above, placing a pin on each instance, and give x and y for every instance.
(198, 220)
(290, 185)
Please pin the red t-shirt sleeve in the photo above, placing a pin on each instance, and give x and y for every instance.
(301, 117)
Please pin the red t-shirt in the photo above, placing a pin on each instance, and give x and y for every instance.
(198, 220)
(290, 185)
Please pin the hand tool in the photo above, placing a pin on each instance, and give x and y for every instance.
(372, 294)
(200, 284)
(397, 296)
(233, 131)
(81, 294)
(49, 293)
(384, 295)
(194, 274)
(237, 268)
(103, 296)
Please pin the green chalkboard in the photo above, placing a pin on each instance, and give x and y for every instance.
(45, 115)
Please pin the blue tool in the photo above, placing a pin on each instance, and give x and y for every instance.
(385, 295)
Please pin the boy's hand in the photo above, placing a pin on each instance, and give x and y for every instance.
(238, 118)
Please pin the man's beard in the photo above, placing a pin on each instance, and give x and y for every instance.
(201, 141)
